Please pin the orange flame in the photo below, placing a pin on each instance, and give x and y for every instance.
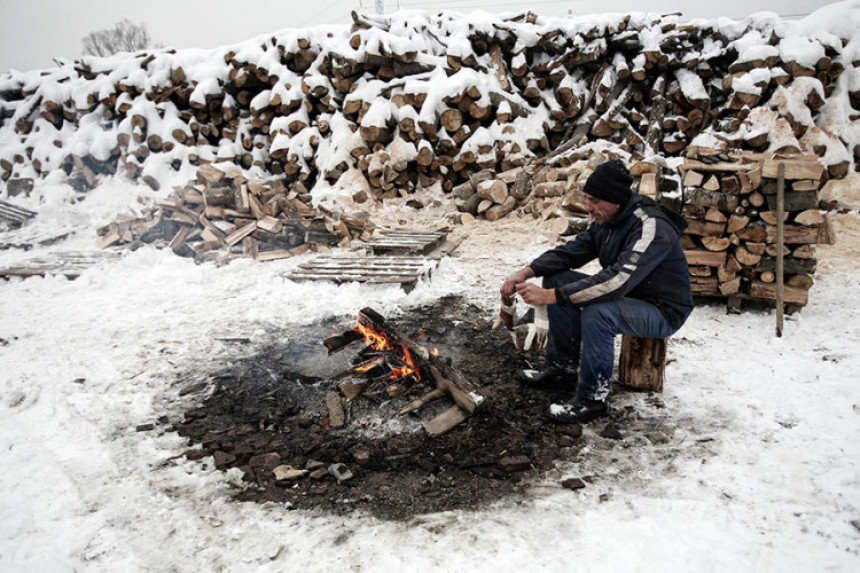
(379, 340)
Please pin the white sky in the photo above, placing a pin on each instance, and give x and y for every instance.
(32, 32)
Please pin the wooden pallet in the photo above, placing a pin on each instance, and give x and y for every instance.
(28, 237)
(14, 214)
(373, 270)
(404, 241)
(68, 263)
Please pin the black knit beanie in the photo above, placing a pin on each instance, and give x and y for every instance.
(611, 182)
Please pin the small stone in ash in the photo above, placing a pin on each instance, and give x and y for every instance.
(572, 430)
(573, 483)
(318, 473)
(144, 427)
(514, 463)
(223, 459)
(288, 473)
(195, 454)
(361, 456)
(612, 432)
(340, 472)
(314, 465)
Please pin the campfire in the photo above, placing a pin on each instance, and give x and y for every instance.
(399, 362)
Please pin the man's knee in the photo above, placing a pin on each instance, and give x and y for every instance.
(603, 313)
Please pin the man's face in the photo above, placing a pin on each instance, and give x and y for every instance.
(601, 211)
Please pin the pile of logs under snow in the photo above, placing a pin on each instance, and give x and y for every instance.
(419, 100)
(221, 215)
(730, 203)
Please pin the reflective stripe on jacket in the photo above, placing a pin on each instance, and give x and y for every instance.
(640, 256)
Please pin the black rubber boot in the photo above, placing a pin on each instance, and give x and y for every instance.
(550, 376)
(578, 411)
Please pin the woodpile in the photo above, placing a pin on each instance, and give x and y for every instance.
(394, 105)
(546, 193)
(730, 203)
(222, 215)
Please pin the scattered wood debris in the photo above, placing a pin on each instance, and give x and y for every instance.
(221, 215)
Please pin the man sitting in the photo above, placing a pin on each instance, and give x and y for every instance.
(642, 290)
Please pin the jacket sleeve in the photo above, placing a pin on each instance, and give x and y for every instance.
(647, 244)
(571, 255)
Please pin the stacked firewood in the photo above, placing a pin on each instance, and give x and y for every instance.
(730, 203)
(418, 101)
(222, 215)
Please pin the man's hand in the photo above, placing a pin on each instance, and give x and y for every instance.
(534, 295)
(509, 287)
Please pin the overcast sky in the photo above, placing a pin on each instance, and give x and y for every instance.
(32, 32)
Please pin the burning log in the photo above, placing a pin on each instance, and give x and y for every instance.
(396, 359)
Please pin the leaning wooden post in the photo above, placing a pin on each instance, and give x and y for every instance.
(780, 242)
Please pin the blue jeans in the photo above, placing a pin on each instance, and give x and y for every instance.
(584, 336)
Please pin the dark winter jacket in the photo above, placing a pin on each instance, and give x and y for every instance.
(641, 258)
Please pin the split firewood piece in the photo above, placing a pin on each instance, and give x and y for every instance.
(494, 190)
(707, 258)
(336, 415)
(351, 389)
(693, 179)
(736, 223)
(434, 394)
(712, 184)
(716, 243)
(810, 218)
(648, 185)
(445, 421)
(714, 215)
(457, 387)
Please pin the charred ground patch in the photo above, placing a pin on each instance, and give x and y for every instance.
(267, 413)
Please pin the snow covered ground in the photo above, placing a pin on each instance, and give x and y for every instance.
(761, 473)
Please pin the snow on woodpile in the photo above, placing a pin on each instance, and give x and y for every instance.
(418, 100)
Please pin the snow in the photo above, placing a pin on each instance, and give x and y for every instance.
(764, 472)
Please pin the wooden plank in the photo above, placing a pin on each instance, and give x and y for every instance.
(794, 169)
(759, 289)
(706, 258)
(445, 421)
(692, 164)
(70, 264)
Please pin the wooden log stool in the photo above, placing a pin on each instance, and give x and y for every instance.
(642, 364)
